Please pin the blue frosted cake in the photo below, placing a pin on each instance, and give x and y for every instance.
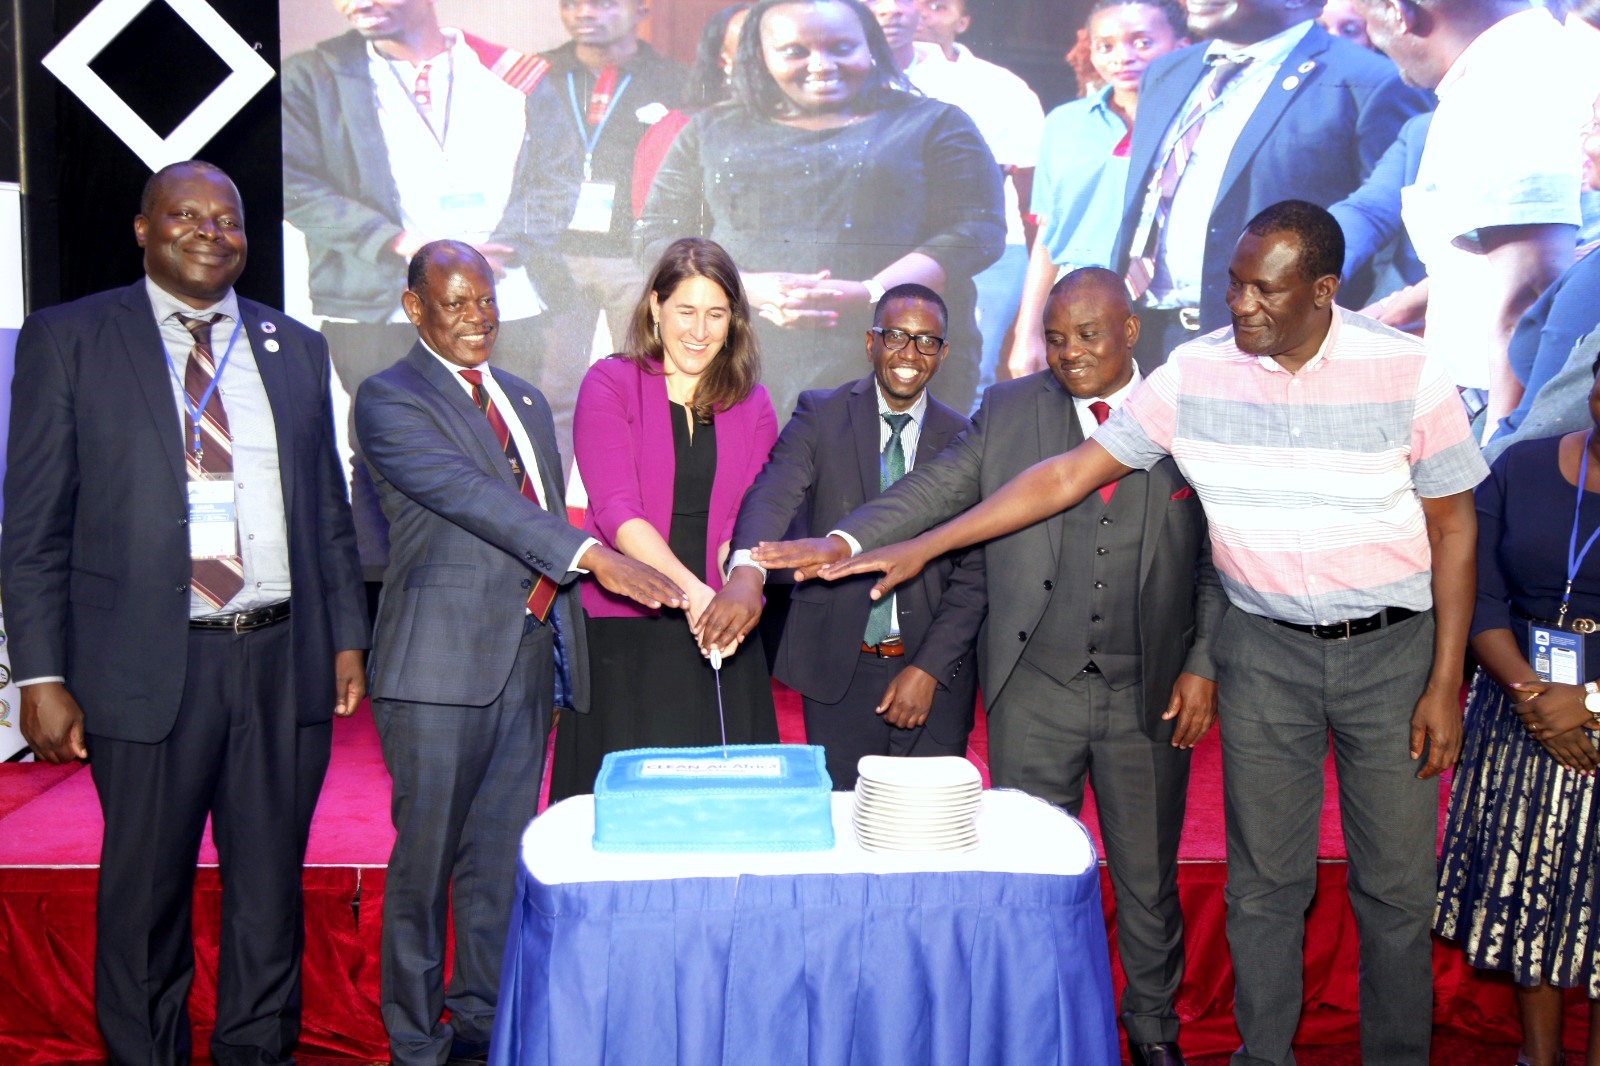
(757, 797)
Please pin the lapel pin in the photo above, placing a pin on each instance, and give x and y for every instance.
(1290, 82)
(268, 326)
(528, 400)
(271, 346)
(1307, 67)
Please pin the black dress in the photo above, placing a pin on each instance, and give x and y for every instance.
(649, 685)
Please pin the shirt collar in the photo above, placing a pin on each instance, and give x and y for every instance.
(916, 411)
(166, 305)
(453, 41)
(1267, 53)
(1323, 352)
(455, 370)
(1114, 401)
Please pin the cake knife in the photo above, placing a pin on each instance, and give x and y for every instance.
(716, 666)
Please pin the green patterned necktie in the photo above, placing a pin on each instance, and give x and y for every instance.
(881, 621)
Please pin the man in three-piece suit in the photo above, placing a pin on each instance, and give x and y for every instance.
(1271, 106)
(898, 679)
(1096, 653)
(479, 635)
(186, 611)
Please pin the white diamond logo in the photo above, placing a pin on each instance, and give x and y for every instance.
(248, 72)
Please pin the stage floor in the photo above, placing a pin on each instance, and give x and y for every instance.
(49, 846)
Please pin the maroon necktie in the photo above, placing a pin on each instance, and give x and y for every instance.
(544, 589)
(216, 580)
(1102, 411)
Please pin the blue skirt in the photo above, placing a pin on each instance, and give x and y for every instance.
(1519, 887)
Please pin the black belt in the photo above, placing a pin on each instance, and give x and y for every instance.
(1350, 627)
(245, 621)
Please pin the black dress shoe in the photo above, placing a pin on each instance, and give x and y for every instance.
(1165, 1053)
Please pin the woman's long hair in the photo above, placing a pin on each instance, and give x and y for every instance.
(707, 83)
(736, 368)
(755, 90)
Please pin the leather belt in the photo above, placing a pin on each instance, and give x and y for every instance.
(245, 621)
(889, 649)
(1350, 627)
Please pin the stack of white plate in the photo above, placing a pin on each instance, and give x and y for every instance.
(909, 804)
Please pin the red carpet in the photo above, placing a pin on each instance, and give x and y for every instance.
(49, 843)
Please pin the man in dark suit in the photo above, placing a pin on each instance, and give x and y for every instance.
(185, 610)
(1109, 678)
(1271, 106)
(902, 682)
(479, 635)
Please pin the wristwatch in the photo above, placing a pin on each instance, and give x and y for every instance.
(874, 291)
(1591, 703)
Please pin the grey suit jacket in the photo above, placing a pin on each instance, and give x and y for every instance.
(465, 544)
(95, 557)
(1021, 423)
(824, 465)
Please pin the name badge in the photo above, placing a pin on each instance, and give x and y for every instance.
(595, 202)
(213, 519)
(1556, 655)
(462, 201)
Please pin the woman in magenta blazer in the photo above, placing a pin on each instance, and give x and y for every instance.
(669, 434)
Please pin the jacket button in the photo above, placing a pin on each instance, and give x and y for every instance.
(527, 584)
(1048, 584)
(1100, 551)
(1023, 637)
(1099, 584)
(183, 521)
(1093, 649)
(182, 588)
(1094, 618)
(1105, 520)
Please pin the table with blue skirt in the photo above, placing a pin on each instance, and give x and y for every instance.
(996, 955)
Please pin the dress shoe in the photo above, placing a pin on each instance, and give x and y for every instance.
(1165, 1053)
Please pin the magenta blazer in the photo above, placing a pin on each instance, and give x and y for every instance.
(622, 436)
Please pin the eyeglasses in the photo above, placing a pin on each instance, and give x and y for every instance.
(895, 339)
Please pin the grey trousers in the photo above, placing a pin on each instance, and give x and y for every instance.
(466, 784)
(1046, 739)
(1282, 694)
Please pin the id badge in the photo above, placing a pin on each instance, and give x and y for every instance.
(468, 200)
(1556, 655)
(213, 519)
(595, 202)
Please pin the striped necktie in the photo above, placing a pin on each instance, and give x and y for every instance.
(544, 589)
(1158, 197)
(880, 622)
(217, 580)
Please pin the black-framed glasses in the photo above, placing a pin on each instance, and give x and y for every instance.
(895, 339)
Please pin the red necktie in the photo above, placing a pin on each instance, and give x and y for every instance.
(605, 83)
(216, 580)
(423, 92)
(544, 589)
(1102, 411)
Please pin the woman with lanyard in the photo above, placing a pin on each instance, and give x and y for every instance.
(1520, 870)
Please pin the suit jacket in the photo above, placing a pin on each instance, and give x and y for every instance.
(338, 188)
(464, 544)
(1315, 139)
(1021, 423)
(825, 465)
(95, 557)
(622, 433)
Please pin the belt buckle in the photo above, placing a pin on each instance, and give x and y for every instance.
(1189, 318)
(238, 623)
(1585, 626)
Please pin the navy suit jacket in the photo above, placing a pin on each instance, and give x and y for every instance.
(1333, 110)
(825, 465)
(95, 556)
(464, 544)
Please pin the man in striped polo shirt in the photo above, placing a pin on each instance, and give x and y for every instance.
(1336, 468)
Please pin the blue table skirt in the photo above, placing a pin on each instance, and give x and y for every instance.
(812, 969)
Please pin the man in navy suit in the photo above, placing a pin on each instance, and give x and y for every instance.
(479, 635)
(909, 687)
(186, 611)
(1271, 107)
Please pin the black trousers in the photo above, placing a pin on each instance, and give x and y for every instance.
(235, 753)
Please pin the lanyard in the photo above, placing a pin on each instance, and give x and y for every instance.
(442, 134)
(197, 411)
(591, 139)
(1574, 556)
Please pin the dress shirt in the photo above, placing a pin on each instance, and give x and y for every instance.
(519, 435)
(454, 170)
(1494, 157)
(263, 528)
(1310, 481)
(1086, 419)
(1079, 186)
(1180, 258)
(1007, 113)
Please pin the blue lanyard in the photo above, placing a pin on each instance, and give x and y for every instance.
(1574, 556)
(197, 411)
(590, 140)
